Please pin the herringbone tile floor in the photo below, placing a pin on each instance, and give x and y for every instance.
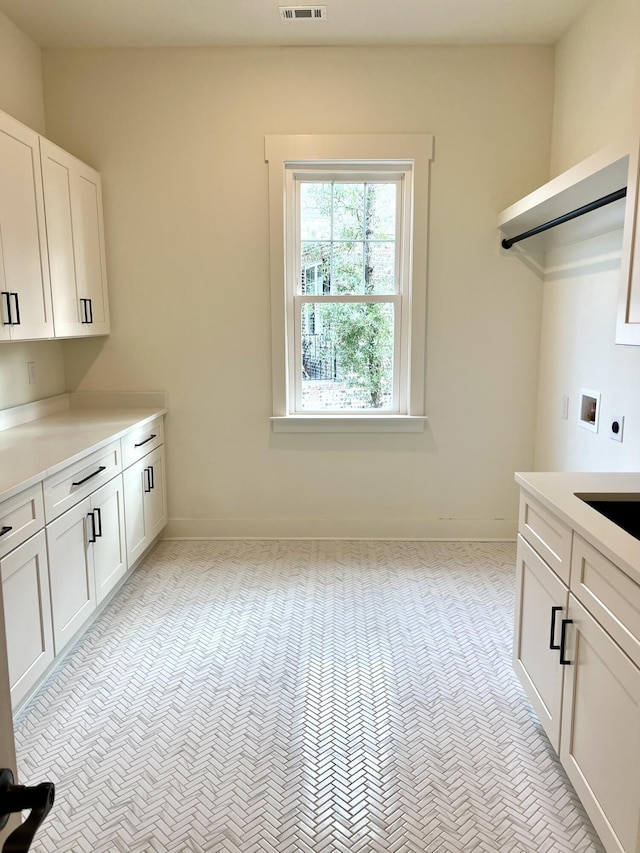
(301, 697)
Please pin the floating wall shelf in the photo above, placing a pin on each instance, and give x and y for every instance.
(603, 175)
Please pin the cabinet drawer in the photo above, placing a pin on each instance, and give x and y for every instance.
(67, 487)
(139, 442)
(547, 535)
(20, 517)
(608, 594)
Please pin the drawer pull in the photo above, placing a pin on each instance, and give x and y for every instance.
(140, 443)
(552, 643)
(563, 640)
(90, 476)
(152, 479)
(4, 530)
(147, 480)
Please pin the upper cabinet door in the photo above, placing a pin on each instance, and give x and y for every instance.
(75, 237)
(25, 298)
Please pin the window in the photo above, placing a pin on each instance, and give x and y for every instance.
(348, 220)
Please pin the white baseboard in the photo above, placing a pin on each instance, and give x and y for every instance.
(312, 528)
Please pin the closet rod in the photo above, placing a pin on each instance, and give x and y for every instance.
(507, 243)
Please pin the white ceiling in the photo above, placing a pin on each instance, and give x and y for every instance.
(200, 23)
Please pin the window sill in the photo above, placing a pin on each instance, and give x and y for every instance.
(349, 423)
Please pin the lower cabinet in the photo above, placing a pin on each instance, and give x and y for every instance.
(577, 655)
(541, 604)
(145, 502)
(600, 746)
(67, 541)
(109, 549)
(73, 589)
(25, 589)
(86, 558)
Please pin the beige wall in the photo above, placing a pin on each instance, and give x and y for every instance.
(178, 136)
(21, 95)
(597, 102)
(595, 99)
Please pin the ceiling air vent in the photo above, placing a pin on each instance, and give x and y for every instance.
(303, 13)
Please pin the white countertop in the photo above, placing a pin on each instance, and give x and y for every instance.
(558, 492)
(35, 450)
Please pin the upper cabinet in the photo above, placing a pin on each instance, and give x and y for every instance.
(25, 292)
(53, 280)
(75, 239)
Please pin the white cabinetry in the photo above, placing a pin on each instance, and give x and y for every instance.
(63, 541)
(107, 528)
(145, 502)
(86, 558)
(27, 614)
(25, 291)
(64, 489)
(577, 654)
(542, 601)
(73, 589)
(53, 280)
(75, 239)
(600, 747)
(20, 517)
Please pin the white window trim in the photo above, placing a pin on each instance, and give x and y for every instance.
(283, 153)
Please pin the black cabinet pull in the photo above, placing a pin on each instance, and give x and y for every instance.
(563, 640)
(7, 296)
(140, 443)
(4, 530)
(554, 613)
(152, 478)
(86, 311)
(90, 476)
(17, 798)
(147, 480)
(92, 535)
(16, 322)
(97, 513)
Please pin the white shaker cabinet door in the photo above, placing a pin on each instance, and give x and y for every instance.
(25, 292)
(156, 498)
(75, 237)
(541, 605)
(134, 495)
(106, 527)
(601, 731)
(27, 615)
(73, 591)
(145, 502)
